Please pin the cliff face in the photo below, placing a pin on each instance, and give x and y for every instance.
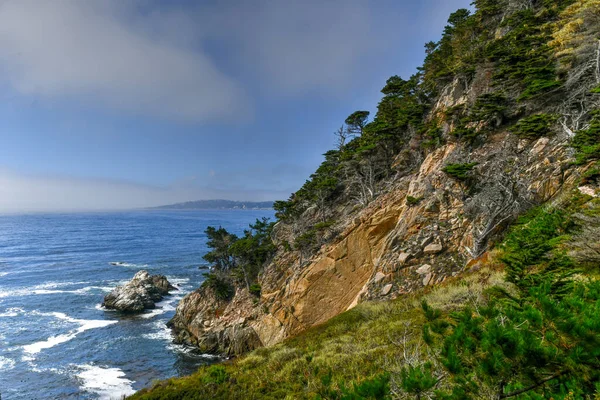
(424, 226)
(388, 249)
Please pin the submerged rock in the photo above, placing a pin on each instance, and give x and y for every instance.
(141, 293)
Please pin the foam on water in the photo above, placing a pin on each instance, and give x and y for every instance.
(162, 332)
(162, 307)
(107, 383)
(12, 312)
(52, 341)
(6, 363)
(127, 265)
(45, 288)
(3, 274)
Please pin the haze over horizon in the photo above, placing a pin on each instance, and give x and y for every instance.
(116, 105)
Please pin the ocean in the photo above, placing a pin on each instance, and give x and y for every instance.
(56, 341)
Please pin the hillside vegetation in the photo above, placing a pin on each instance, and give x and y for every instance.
(499, 299)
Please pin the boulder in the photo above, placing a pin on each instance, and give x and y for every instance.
(378, 277)
(386, 289)
(433, 248)
(403, 258)
(141, 293)
(424, 269)
(427, 280)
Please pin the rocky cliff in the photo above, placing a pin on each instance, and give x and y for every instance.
(426, 222)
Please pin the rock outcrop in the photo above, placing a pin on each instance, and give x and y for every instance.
(141, 293)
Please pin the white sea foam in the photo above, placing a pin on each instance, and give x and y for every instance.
(178, 281)
(108, 383)
(45, 288)
(162, 307)
(127, 265)
(6, 363)
(162, 332)
(12, 312)
(3, 274)
(52, 341)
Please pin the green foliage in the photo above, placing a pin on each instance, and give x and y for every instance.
(461, 172)
(306, 240)
(596, 90)
(541, 340)
(587, 141)
(255, 289)
(375, 389)
(489, 108)
(220, 241)
(413, 201)
(522, 56)
(535, 126)
(220, 284)
(236, 259)
(356, 121)
(591, 176)
(216, 374)
(311, 239)
(418, 380)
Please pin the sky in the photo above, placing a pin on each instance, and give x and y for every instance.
(123, 104)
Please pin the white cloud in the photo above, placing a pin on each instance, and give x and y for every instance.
(26, 193)
(102, 52)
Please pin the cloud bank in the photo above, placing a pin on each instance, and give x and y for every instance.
(93, 51)
(144, 58)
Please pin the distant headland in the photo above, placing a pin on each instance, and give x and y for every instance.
(217, 205)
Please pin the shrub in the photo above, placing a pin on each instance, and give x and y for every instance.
(255, 289)
(535, 126)
(306, 240)
(587, 142)
(216, 374)
(489, 108)
(413, 201)
(461, 172)
(221, 285)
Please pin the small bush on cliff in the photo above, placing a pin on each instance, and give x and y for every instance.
(220, 284)
(413, 201)
(587, 141)
(255, 289)
(535, 126)
(461, 172)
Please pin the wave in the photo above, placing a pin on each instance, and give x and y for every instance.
(44, 288)
(12, 312)
(4, 274)
(52, 288)
(6, 364)
(162, 307)
(52, 341)
(127, 265)
(108, 383)
(162, 332)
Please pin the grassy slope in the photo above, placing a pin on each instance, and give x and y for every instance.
(353, 347)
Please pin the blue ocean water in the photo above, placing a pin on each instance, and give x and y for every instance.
(56, 342)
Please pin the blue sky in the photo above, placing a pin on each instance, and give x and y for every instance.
(120, 104)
